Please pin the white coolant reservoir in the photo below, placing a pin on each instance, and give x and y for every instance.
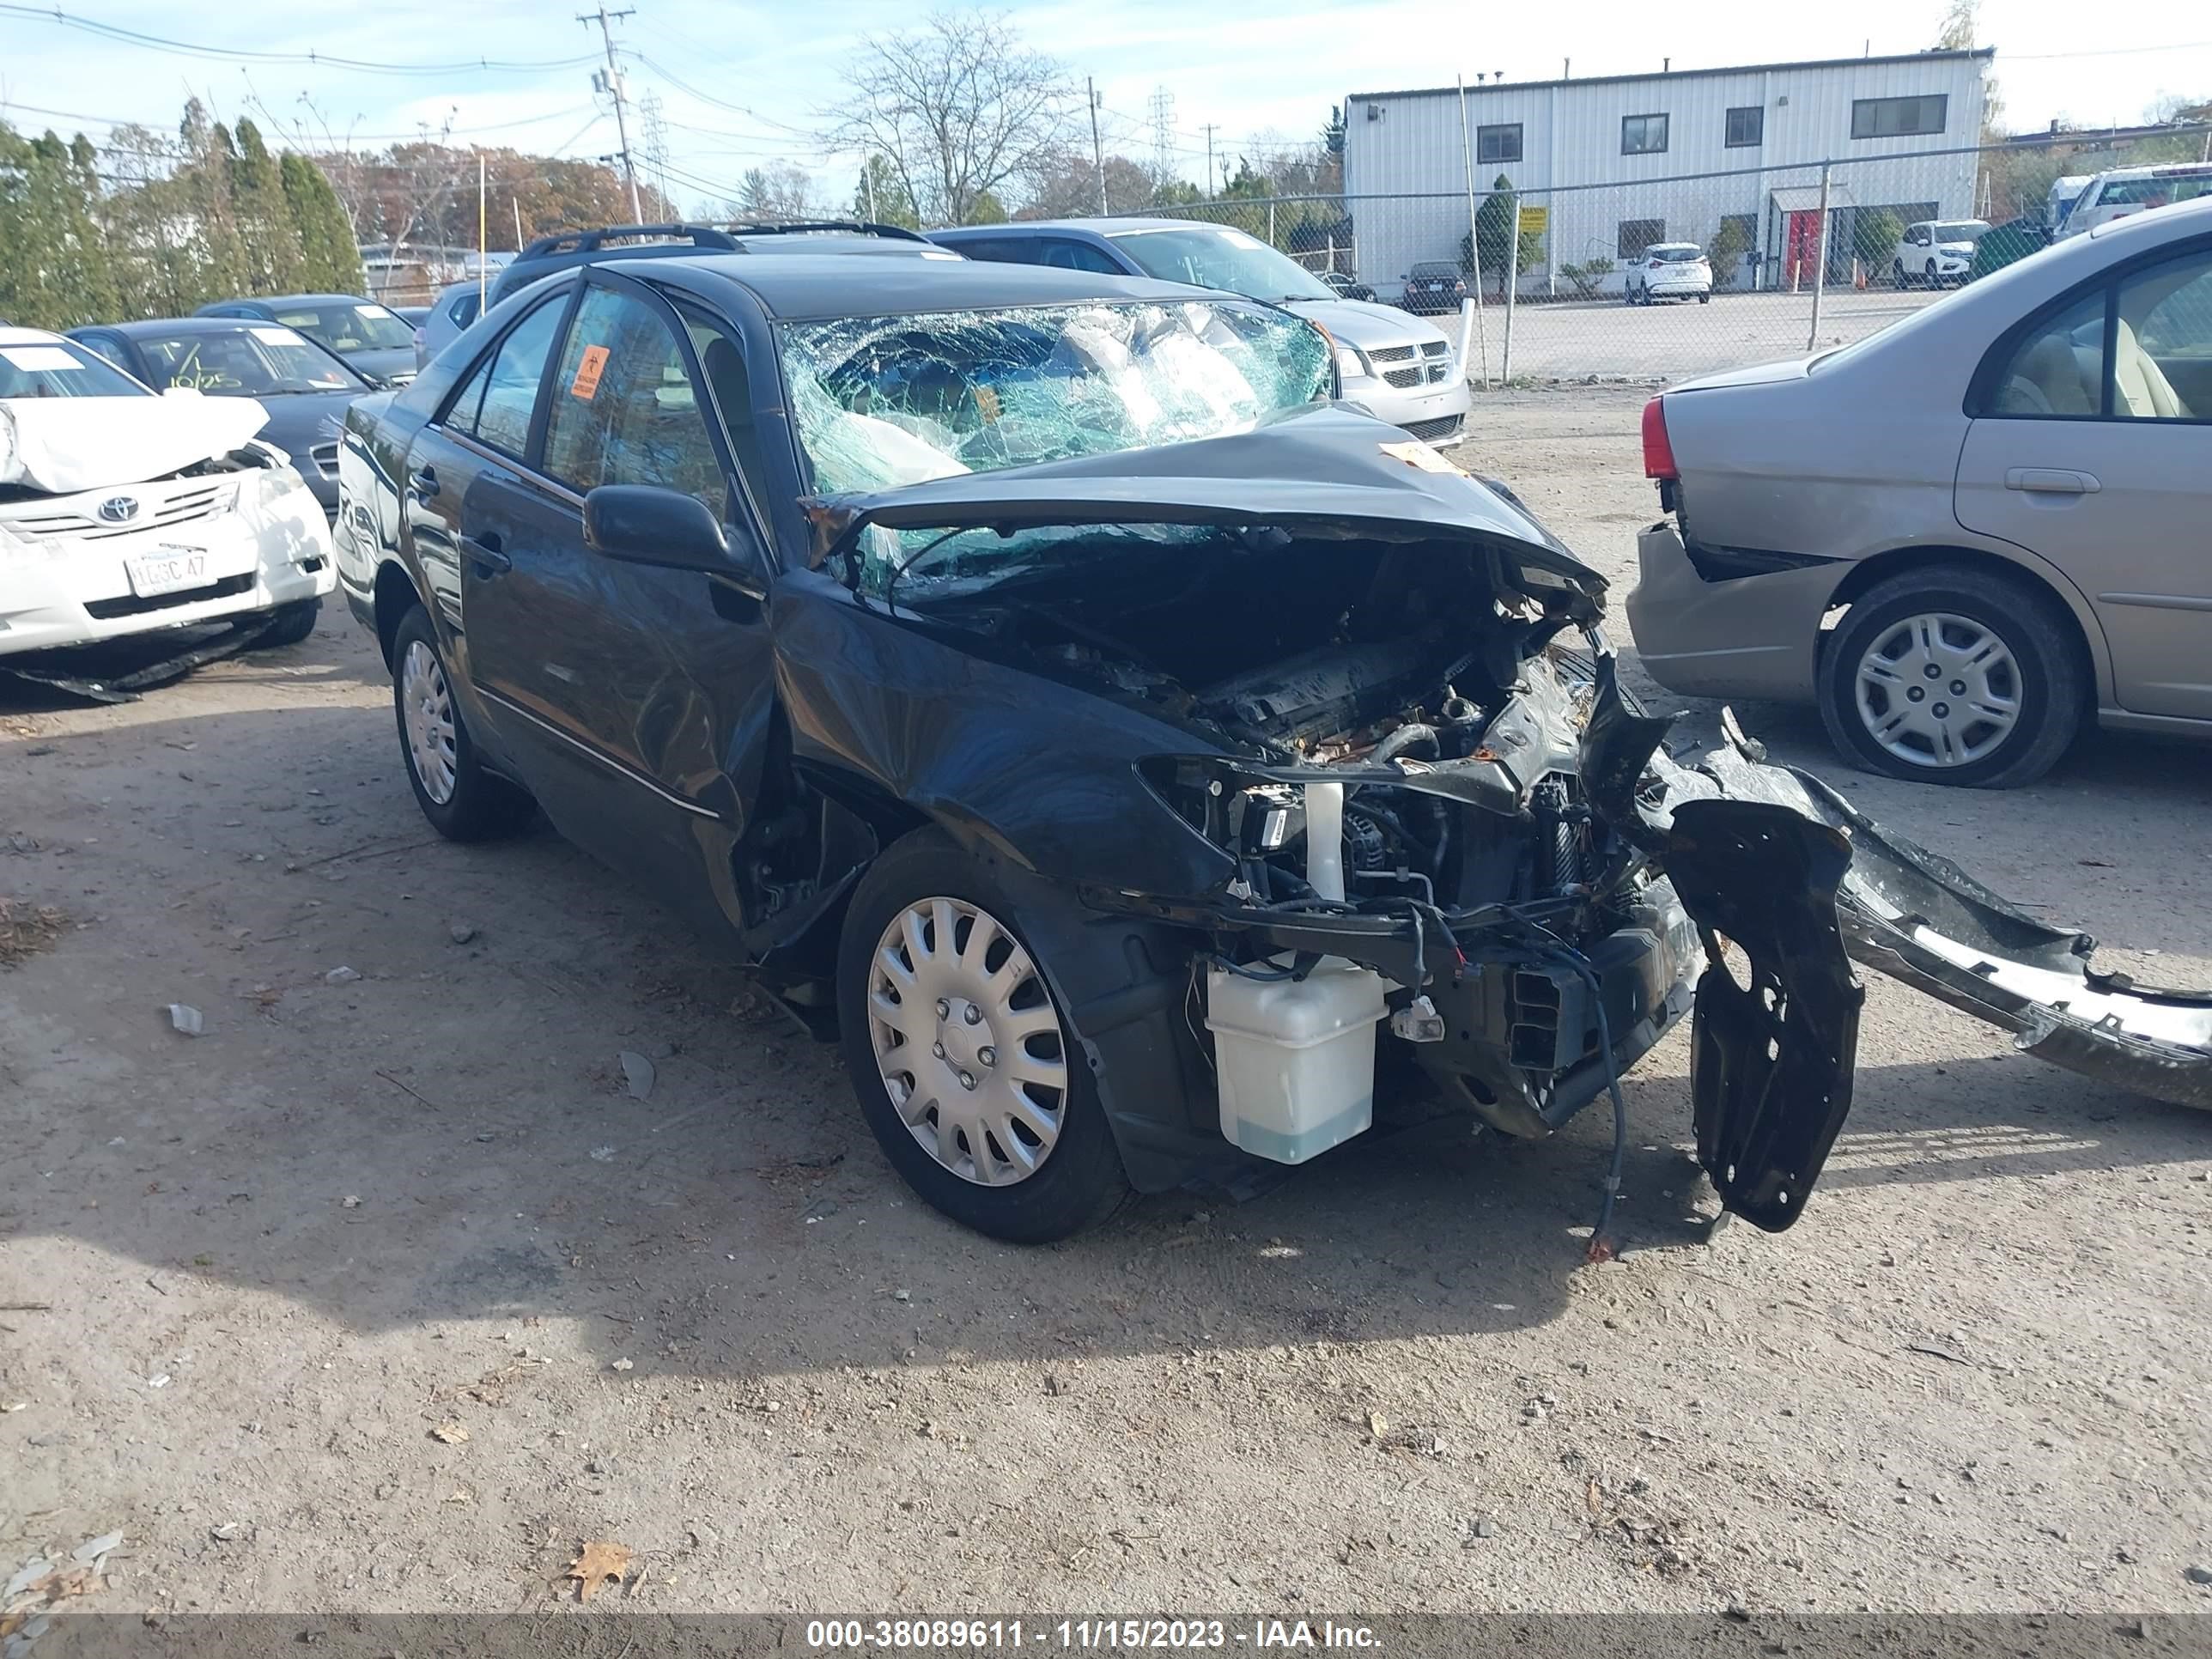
(1294, 1060)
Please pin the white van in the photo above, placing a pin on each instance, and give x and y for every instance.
(2124, 191)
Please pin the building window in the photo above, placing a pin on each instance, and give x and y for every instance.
(1638, 234)
(1747, 125)
(1500, 144)
(1898, 118)
(1642, 135)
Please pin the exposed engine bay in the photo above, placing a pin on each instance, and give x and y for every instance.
(1393, 793)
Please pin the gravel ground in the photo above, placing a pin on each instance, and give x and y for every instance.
(386, 1293)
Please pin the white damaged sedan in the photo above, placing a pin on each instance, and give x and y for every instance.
(125, 515)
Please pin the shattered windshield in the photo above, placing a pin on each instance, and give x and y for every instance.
(884, 401)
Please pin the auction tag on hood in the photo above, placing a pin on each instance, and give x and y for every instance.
(585, 385)
(1417, 454)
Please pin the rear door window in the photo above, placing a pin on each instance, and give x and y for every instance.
(1068, 254)
(497, 402)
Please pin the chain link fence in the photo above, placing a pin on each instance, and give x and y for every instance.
(1663, 277)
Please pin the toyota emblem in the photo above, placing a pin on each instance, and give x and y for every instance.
(118, 509)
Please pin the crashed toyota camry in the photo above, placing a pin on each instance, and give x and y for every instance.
(1133, 757)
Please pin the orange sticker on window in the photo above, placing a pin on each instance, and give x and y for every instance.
(586, 383)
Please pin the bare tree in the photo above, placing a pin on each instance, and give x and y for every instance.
(958, 107)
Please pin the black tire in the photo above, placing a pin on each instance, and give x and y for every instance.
(1079, 1181)
(1897, 271)
(481, 805)
(1704, 299)
(2049, 680)
(289, 624)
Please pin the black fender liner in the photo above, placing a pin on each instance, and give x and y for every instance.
(1770, 1061)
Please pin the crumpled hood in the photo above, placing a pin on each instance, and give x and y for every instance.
(63, 445)
(1363, 323)
(1325, 471)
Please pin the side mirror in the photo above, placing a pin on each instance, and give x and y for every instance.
(645, 524)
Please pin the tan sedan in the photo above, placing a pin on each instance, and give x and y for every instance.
(1966, 536)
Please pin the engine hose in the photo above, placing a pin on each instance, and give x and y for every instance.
(1406, 736)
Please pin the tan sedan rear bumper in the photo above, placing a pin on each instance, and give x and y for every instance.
(1749, 636)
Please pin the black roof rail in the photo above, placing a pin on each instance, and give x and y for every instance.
(850, 227)
(590, 241)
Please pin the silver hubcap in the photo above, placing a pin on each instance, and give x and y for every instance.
(968, 1042)
(428, 708)
(1939, 690)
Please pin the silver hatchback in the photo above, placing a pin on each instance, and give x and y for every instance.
(1964, 537)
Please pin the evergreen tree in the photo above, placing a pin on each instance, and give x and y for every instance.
(330, 256)
(204, 175)
(274, 263)
(882, 194)
(54, 270)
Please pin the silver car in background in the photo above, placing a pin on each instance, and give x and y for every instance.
(1965, 536)
(1398, 368)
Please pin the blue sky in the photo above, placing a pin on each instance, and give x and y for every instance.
(744, 85)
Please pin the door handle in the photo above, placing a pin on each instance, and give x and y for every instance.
(485, 552)
(424, 481)
(2052, 480)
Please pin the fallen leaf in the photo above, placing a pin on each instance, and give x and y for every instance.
(596, 1563)
(451, 1433)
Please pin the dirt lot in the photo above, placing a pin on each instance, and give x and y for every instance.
(384, 1293)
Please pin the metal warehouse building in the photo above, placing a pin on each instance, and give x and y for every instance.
(1608, 165)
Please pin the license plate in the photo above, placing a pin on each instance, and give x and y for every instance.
(171, 570)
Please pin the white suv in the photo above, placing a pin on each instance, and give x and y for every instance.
(123, 512)
(1936, 251)
(2123, 191)
(1669, 271)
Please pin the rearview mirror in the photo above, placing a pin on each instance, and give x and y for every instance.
(645, 524)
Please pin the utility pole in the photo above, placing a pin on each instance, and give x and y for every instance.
(1097, 155)
(611, 81)
(1210, 129)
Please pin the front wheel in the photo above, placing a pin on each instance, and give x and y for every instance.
(289, 625)
(1947, 676)
(462, 800)
(965, 1067)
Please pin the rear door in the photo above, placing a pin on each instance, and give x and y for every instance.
(639, 696)
(483, 432)
(2089, 446)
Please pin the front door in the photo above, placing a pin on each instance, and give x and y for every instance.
(2090, 447)
(1802, 247)
(638, 696)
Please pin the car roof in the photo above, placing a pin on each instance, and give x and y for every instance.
(10, 336)
(2160, 170)
(147, 327)
(2180, 219)
(785, 245)
(1122, 225)
(797, 287)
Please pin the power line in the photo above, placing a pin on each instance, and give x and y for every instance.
(235, 54)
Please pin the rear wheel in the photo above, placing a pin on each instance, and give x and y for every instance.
(1947, 676)
(966, 1069)
(1897, 271)
(462, 801)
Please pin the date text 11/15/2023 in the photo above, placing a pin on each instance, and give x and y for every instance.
(1081, 1635)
